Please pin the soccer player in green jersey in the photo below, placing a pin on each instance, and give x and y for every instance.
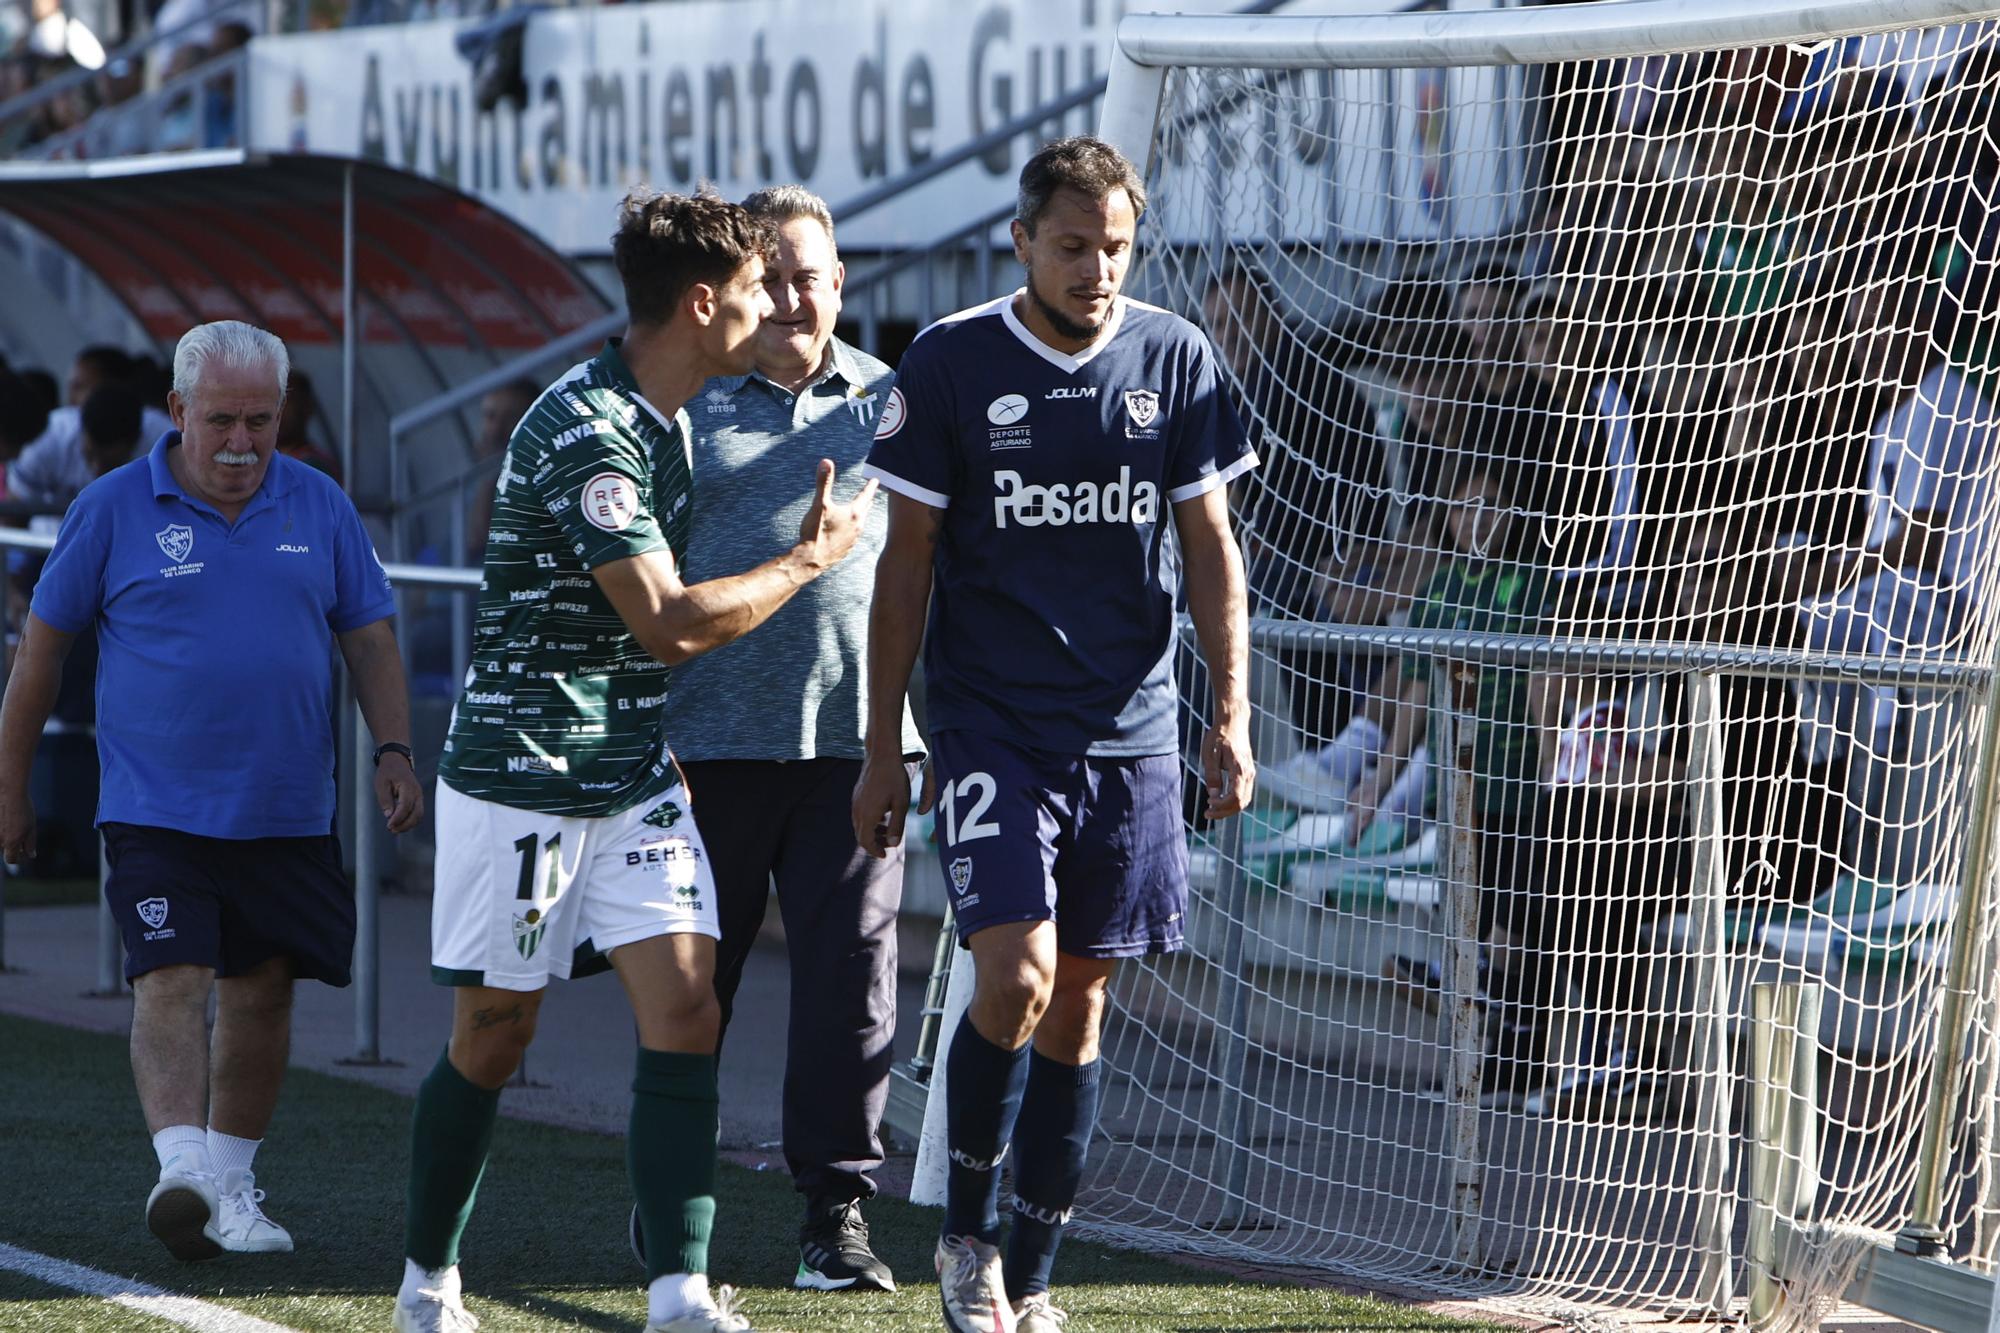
(566, 843)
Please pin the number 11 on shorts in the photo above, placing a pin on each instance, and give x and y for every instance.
(979, 789)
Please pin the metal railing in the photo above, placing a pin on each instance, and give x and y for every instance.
(203, 108)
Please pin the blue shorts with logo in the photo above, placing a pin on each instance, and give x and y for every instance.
(230, 904)
(1094, 844)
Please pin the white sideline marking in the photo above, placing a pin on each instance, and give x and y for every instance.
(143, 1297)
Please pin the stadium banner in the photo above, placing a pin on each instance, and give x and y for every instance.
(838, 96)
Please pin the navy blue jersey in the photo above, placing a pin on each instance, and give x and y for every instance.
(1052, 613)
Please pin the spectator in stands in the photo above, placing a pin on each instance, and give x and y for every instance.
(1745, 253)
(1613, 855)
(1483, 299)
(1325, 483)
(296, 424)
(499, 411)
(56, 468)
(56, 460)
(23, 418)
(1484, 583)
(217, 798)
(44, 385)
(1588, 488)
(770, 731)
(95, 365)
(191, 29)
(1927, 539)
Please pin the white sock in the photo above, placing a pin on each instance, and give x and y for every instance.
(674, 1295)
(416, 1279)
(1353, 751)
(228, 1153)
(182, 1148)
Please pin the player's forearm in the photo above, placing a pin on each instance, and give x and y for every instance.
(708, 615)
(30, 697)
(895, 635)
(1220, 608)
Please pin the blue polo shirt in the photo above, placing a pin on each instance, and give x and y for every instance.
(215, 643)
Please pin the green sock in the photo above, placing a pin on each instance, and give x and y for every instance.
(670, 1151)
(449, 1138)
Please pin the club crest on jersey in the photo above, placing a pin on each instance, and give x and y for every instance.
(528, 931)
(176, 539)
(1142, 406)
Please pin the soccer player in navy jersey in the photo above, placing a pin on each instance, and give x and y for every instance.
(1035, 449)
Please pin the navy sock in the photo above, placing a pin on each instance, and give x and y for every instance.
(983, 1097)
(1051, 1138)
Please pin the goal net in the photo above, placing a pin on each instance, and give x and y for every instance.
(1623, 578)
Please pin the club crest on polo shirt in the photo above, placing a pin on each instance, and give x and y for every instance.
(176, 542)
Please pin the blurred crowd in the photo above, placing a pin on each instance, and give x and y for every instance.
(1727, 383)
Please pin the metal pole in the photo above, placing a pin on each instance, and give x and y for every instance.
(367, 911)
(1784, 1139)
(1451, 702)
(347, 331)
(110, 949)
(1922, 1234)
(930, 1023)
(1232, 900)
(1710, 1047)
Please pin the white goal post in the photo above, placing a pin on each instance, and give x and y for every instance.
(1618, 934)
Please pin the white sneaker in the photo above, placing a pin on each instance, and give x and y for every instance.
(971, 1288)
(1038, 1314)
(433, 1306)
(182, 1212)
(1306, 781)
(716, 1316)
(240, 1225)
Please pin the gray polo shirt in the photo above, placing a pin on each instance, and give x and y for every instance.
(795, 687)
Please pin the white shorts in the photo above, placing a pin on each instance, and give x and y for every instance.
(522, 896)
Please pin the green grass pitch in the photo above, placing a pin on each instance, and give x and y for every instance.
(546, 1249)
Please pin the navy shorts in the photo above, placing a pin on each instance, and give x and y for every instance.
(230, 903)
(1095, 845)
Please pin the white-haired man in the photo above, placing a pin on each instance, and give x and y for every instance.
(219, 577)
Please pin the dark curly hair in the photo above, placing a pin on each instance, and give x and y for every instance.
(666, 243)
(1080, 162)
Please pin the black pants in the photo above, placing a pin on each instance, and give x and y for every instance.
(762, 819)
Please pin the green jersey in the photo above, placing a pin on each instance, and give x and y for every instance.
(1491, 597)
(562, 708)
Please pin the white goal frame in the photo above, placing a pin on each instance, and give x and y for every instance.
(1906, 1280)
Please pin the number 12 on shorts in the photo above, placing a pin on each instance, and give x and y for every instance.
(977, 788)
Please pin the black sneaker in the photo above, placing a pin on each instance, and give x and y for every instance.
(834, 1253)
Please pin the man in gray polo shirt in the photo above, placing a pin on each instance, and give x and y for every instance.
(769, 733)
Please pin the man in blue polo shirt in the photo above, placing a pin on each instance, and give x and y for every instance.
(219, 578)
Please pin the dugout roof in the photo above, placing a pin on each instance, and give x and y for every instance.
(445, 286)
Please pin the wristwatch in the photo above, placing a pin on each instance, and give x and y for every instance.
(393, 747)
